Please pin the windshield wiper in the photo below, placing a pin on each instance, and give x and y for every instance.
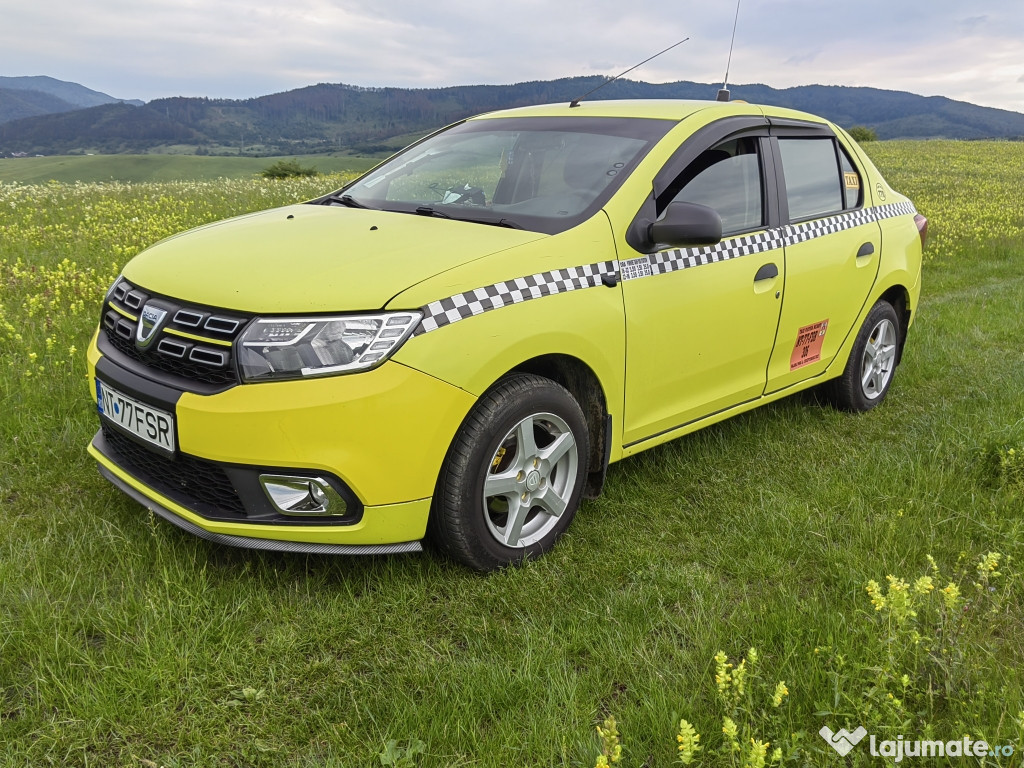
(426, 210)
(502, 222)
(347, 200)
(429, 210)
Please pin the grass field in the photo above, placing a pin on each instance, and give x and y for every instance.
(155, 168)
(126, 642)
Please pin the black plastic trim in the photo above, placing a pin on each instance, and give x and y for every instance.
(596, 478)
(244, 479)
(771, 183)
(249, 542)
(154, 375)
(131, 383)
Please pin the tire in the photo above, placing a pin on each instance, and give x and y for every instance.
(872, 364)
(513, 477)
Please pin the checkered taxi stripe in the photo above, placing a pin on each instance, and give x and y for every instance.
(438, 314)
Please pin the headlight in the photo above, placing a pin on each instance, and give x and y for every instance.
(293, 348)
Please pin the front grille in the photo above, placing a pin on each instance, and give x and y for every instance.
(192, 342)
(198, 372)
(196, 484)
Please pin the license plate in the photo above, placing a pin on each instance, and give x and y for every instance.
(154, 426)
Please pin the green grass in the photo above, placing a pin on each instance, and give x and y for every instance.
(156, 168)
(126, 642)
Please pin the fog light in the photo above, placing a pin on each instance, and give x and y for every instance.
(303, 496)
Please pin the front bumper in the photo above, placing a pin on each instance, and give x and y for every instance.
(181, 519)
(382, 433)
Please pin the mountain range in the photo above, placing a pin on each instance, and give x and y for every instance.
(40, 95)
(47, 116)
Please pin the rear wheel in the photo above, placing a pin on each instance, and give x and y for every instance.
(872, 363)
(513, 477)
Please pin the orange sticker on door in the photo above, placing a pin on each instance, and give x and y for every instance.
(807, 349)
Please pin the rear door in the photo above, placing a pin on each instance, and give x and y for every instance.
(832, 248)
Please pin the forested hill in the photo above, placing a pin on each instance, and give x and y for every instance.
(337, 116)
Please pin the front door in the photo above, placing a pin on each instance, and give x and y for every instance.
(701, 322)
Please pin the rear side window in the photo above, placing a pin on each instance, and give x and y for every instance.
(851, 181)
(726, 177)
(814, 186)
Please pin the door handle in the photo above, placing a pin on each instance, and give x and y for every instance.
(866, 250)
(766, 272)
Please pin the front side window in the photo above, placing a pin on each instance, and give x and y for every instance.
(814, 186)
(544, 174)
(726, 177)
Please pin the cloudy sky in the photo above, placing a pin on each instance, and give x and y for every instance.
(972, 51)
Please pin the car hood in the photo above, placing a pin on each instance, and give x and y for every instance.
(311, 258)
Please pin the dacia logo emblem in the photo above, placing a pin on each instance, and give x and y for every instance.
(150, 321)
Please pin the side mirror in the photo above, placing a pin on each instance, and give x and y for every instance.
(685, 224)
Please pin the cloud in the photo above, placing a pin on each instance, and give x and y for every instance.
(972, 23)
(803, 58)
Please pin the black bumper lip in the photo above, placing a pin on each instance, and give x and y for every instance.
(216, 491)
(248, 542)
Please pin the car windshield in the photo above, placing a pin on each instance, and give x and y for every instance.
(537, 173)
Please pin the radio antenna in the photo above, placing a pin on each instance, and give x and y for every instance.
(723, 93)
(576, 102)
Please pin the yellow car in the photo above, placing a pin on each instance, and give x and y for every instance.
(455, 346)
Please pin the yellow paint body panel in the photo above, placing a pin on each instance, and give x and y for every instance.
(384, 432)
(699, 340)
(823, 283)
(311, 258)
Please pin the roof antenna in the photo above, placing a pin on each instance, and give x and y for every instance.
(576, 102)
(723, 92)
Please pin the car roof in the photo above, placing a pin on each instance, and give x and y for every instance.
(659, 109)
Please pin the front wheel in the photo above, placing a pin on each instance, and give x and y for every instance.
(513, 477)
(872, 364)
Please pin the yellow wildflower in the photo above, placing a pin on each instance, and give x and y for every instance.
(781, 691)
(950, 596)
(756, 755)
(689, 742)
(924, 585)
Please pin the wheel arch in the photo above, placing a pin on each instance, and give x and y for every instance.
(584, 385)
(899, 298)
